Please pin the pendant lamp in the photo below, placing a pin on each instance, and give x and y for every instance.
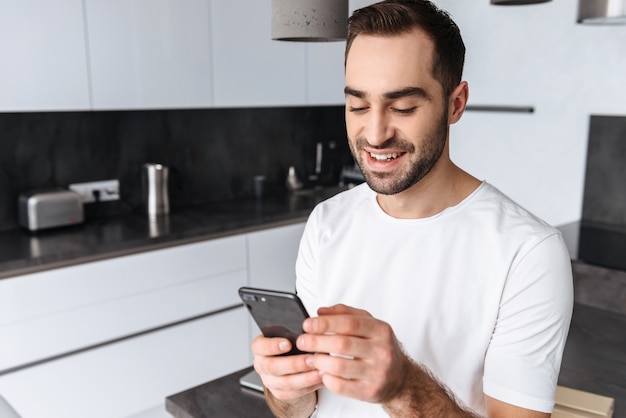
(516, 2)
(309, 20)
(602, 12)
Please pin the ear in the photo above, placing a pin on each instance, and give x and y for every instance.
(457, 102)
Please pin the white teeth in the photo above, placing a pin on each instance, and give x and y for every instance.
(383, 157)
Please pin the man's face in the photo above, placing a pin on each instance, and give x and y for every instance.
(396, 116)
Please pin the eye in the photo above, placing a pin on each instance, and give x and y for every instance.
(355, 109)
(405, 111)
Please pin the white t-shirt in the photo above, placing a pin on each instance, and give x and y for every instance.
(481, 293)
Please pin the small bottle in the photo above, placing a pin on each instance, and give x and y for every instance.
(293, 183)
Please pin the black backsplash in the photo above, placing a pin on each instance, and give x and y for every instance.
(212, 153)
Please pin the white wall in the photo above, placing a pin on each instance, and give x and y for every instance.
(536, 55)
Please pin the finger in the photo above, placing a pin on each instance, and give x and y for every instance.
(283, 365)
(335, 344)
(293, 384)
(263, 346)
(352, 378)
(342, 366)
(356, 325)
(341, 309)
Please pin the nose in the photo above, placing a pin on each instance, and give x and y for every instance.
(378, 128)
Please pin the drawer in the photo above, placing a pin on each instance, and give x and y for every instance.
(58, 290)
(39, 338)
(122, 379)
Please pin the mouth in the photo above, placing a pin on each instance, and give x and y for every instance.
(390, 156)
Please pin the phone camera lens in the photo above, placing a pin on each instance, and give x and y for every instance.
(249, 298)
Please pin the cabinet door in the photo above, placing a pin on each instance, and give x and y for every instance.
(250, 68)
(44, 63)
(149, 53)
(272, 257)
(130, 376)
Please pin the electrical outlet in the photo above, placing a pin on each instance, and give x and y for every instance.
(101, 191)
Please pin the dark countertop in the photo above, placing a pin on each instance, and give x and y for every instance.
(595, 355)
(223, 397)
(23, 252)
(594, 360)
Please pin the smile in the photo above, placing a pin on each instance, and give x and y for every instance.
(386, 157)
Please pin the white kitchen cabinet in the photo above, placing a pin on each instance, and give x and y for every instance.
(130, 376)
(272, 257)
(57, 311)
(114, 337)
(149, 53)
(44, 61)
(249, 68)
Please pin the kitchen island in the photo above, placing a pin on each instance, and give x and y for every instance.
(594, 361)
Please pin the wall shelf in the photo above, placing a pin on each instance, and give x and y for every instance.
(498, 108)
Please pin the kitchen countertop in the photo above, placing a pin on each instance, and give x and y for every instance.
(595, 354)
(223, 397)
(594, 361)
(23, 252)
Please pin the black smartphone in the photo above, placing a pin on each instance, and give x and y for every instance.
(278, 314)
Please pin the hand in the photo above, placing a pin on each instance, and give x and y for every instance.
(366, 363)
(287, 377)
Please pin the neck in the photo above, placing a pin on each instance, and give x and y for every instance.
(446, 185)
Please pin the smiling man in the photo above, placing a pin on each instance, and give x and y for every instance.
(436, 295)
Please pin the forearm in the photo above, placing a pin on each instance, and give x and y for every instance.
(301, 407)
(423, 396)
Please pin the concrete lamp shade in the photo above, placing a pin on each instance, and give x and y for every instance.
(602, 12)
(309, 20)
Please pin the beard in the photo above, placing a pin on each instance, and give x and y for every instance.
(420, 163)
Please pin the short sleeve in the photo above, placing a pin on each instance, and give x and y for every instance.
(524, 356)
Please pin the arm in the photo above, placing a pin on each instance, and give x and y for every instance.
(373, 368)
(423, 394)
(294, 408)
(499, 409)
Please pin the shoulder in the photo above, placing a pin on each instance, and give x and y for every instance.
(492, 205)
(505, 228)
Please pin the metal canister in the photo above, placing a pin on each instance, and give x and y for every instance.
(156, 198)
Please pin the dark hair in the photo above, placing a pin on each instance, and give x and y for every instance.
(394, 17)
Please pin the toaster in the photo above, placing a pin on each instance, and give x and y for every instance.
(49, 208)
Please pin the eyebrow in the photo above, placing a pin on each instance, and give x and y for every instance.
(392, 95)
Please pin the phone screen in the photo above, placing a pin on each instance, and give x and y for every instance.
(278, 314)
